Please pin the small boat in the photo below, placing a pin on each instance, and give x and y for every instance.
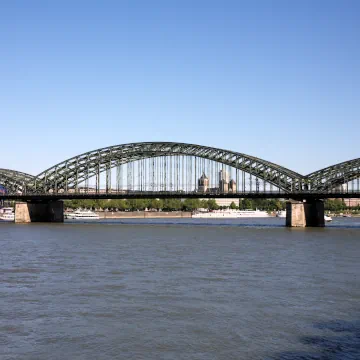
(7, 214)
(82, 215)
(327, 218)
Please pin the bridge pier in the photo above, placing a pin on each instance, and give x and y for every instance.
(305, 214)
(50, 211)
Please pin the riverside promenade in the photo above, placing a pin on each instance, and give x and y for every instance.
(143, 214)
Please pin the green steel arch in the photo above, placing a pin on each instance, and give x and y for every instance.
(67, 174)
(71, 172)
(14, 181)
(333, 176)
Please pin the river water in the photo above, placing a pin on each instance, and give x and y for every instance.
(180, 289)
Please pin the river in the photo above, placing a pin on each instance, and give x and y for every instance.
(180, 289)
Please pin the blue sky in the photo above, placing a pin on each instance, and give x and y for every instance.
(275, 79)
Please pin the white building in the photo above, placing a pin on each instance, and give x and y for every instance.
(224, 202)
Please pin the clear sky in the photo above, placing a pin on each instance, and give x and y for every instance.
(275, 79)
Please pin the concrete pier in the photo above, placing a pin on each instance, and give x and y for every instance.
(305, 214)
(27, 212)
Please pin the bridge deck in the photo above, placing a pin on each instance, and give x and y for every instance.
(182, 195)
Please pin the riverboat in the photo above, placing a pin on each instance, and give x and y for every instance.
(230, 213)
(7, 214)
(82, 215)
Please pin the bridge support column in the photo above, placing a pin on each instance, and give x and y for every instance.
(27, 212)
(305, 214)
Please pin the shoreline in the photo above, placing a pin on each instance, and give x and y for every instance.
(143, 214)
(165, 214)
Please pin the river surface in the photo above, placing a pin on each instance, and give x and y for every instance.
(180, 289)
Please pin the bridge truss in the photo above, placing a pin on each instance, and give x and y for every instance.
(177, 169)
(344, 176)
(14, 181)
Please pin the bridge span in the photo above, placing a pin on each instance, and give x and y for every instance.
(179, 170)
(308, 196)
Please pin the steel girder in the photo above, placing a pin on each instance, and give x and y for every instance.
(69, 173)
(333, 176)
(14, 181)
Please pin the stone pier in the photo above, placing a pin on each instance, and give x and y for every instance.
(305, 214)
(27, 212)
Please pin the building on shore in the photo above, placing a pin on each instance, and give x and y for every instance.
(203, 183)
(232, 186)
(226, 202)
(352, 202)
(223, 181)
(224, 176)
(225, 184)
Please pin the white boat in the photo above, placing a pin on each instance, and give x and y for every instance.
(232, 214)
(7, 214)
(82, 215)
(327, 218)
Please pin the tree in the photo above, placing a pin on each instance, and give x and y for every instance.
(191, 204)
(137, 204)
(246, 204)
(172, 204)
(156, 204)
(334, 205)
(233, 206)
(212, 205)
(279, 205)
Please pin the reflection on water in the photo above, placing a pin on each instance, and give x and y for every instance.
(339, 222)
(341, 341)
(180, 289)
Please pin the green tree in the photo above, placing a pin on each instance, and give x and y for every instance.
(279, 205)
(156, 204)
(212, 205)
(172, 205)
(191, 204)
(233, 206)
(137, 204)
(246, 204)
(334, 205)
(204, 204)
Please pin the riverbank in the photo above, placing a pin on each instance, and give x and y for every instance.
(143, 214)
(343, 215)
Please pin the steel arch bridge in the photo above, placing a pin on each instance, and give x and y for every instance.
(14, 181)
(178, 169)
(334, 176)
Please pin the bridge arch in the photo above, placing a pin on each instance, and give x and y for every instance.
(14, 181)
(333, 176)
(74, 171)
